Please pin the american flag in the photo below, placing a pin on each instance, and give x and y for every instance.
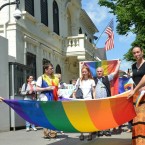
(109, 44)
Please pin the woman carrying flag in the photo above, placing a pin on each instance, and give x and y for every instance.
(138, 69)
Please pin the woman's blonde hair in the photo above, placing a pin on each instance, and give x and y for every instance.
(89, 72)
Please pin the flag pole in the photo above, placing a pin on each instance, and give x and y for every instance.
(103, 32)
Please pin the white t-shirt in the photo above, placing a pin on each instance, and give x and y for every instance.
(41, 96)
(86, 86)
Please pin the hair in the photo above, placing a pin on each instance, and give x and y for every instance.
(46, 66)
(89, 72)
(28, 77)
(137, 47)
(100, 68)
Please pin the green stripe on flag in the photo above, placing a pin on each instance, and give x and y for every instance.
(56, 115)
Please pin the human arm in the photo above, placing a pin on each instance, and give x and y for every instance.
(117, 68)
(40, 89)
(76, 87)
(93, 92)
(24, 89)
(93, 87)
(142, 88)
(140, 84)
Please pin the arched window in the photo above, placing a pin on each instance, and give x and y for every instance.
(80, 31)
(55, 18)
(44, 12)
(29, 6)
(58, 69)
(31, 62)
(90, 40)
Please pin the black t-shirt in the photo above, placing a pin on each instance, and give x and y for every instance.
(138, 73)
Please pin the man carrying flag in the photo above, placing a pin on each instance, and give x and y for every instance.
(47, 85)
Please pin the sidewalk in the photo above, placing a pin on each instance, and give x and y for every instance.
(21, 137)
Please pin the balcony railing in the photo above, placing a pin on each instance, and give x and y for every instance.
(79, 45)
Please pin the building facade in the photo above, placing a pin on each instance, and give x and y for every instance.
(56, 31)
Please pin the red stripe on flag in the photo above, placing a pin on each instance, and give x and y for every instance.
(109, 44)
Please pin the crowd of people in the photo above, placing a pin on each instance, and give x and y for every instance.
(48, 85)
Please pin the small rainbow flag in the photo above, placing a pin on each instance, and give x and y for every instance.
(109, 67)
(128, 84)
(76, 115)
(125, 84)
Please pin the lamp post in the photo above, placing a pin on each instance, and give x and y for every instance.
(17, 2)
(17, 13)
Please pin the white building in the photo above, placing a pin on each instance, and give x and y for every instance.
(59, 31)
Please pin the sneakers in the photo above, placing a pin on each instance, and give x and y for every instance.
(82, 137)
(107, 133)
(89, 137)
(129, 130)
(62, 132)
(100, 133)
(27, 129)
(33, 128)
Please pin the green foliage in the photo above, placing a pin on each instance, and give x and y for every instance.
(130, 16)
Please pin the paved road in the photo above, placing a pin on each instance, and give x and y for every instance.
(21, 137)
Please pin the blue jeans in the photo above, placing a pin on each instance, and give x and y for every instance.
(28, 125)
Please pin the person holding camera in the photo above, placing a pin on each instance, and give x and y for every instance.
(29, 92)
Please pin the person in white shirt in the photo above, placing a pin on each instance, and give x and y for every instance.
(29, 92)
(87, 85)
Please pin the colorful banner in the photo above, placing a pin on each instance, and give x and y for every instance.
(66, 93)
(76, 115)
(108, 66)
(122, 82)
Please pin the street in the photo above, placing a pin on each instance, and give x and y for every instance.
(21, 137)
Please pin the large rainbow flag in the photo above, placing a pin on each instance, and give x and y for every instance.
(109, 67)
(76, 115)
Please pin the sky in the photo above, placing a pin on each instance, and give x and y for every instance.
(101, 18)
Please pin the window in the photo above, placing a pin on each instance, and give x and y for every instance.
(55, 18)
(44, 12)
(17, 76)
(29, 6)
(80, 31)
(58, 69)
(31, 62)
(90, 40)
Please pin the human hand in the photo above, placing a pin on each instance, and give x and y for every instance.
(142, 89)
(51, 87)
(74, 95)
(1, 99)
(119, 61)
(30, 92)
(131, 93)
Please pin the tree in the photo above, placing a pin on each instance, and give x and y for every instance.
(130, 15)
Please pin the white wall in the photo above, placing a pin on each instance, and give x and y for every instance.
(4, 85)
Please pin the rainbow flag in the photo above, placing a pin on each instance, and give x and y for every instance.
(128, 84)
(109, 67)
(76, 115)
(122, 82)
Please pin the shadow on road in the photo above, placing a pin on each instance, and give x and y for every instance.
(96, 141)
